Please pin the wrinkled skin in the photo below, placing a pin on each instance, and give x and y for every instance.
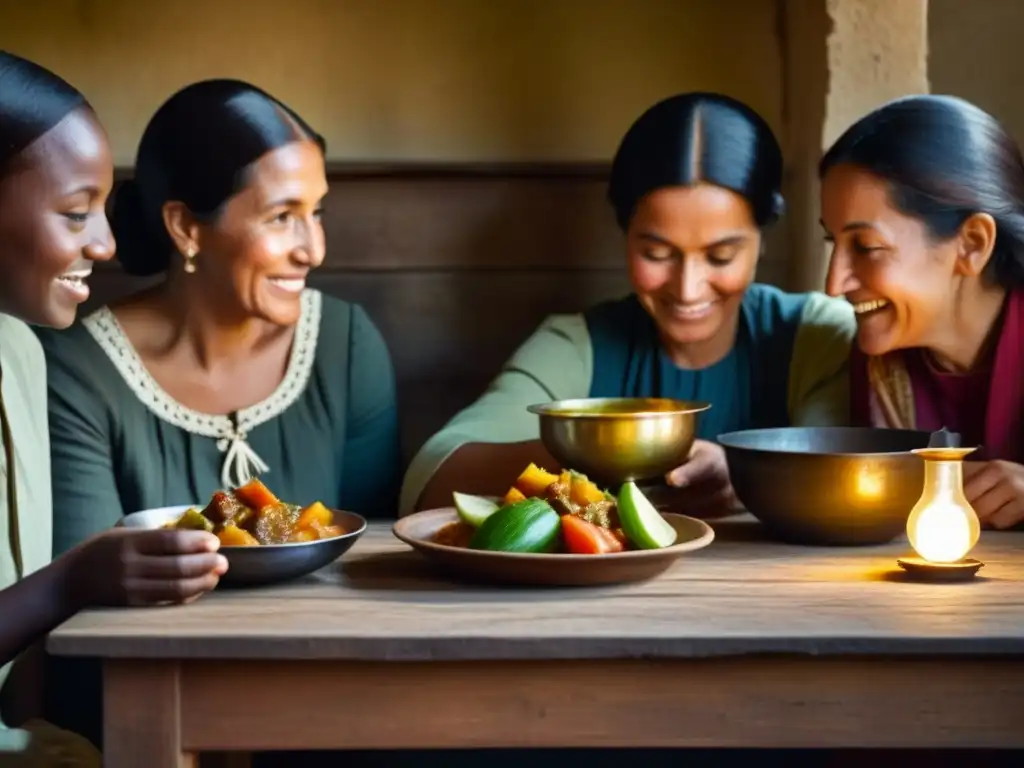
(911, 290)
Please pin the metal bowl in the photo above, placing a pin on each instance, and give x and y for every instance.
(827, 485)
(616, 439)
(270, 563)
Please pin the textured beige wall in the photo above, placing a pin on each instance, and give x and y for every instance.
(976, 53)
(842, 58)
(413, 79)
(877, 51)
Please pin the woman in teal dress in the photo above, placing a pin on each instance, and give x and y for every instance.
(230, 366)
(694, 184)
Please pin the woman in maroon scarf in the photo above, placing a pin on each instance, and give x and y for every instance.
(923, 201)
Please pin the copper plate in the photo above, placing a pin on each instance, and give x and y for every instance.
(418, 531)
(925, 570)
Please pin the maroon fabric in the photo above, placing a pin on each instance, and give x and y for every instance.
(860, 389)
(958, 402)
(986, 407)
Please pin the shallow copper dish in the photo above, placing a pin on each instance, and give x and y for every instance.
(556, 570)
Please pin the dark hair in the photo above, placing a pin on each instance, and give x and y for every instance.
(944, 160)
(695, 137)
(32, 101)
(195, 150)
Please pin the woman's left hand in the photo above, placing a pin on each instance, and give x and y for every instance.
(701, 486)
(996, 491)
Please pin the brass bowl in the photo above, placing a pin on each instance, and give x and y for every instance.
(615, 439)
(840, 486)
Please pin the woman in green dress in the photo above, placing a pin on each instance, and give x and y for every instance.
(56, 172)
(694, 184)
(230, 366)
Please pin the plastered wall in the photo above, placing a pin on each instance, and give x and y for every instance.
(414, 79)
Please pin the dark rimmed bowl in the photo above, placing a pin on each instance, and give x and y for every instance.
(831, 486)
(270, 563)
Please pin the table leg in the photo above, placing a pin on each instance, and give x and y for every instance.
(142, 715)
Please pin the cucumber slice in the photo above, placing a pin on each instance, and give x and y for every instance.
(473, 509)
(530, 525)
(642, 523)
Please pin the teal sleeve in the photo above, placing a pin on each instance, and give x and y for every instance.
(85, 497)
(372, 470)
(819, 385)
(555, 363)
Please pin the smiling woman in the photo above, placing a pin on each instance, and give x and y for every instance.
(923, 200)
(694, 183)
(230, 366)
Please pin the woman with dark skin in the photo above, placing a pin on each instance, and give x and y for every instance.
(694, 184)
(923, 201)
(56, 172)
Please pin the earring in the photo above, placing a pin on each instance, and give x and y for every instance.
(190, 260)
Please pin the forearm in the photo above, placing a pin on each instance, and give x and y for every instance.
(485, 469)
(34, 606)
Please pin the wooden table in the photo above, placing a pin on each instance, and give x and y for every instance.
(748, 643)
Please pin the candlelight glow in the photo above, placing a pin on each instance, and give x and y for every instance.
(943, 526)
(870, 483)
(941, 532)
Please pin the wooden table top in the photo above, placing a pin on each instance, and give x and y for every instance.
(745, 594)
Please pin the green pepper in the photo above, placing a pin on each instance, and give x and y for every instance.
(194, 520)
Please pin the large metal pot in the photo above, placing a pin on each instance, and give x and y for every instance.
(827, 485)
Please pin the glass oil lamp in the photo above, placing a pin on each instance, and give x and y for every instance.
(943, 526)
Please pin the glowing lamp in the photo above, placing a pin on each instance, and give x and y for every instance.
(943, 526)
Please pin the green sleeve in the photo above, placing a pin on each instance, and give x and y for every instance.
(371, 471)
(85, 497)
(819, 387)
(555, 363)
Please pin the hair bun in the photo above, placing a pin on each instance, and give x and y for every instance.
(139, 249)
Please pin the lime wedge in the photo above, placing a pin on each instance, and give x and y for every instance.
(641, 522)
(473, 509)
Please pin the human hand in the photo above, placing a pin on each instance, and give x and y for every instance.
(145, 567)
(701, 487)
(996, 491)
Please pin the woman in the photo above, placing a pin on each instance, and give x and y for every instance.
(230, 366)
(55, 174)
(694, 184)
(924, 202)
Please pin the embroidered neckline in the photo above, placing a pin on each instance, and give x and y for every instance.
(241, 463)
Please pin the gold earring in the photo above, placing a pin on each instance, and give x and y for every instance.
(190, 260)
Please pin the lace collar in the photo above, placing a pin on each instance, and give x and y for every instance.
(240, 461)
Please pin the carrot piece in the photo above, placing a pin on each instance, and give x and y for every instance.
(534, 481)
(513, 495)
(256, 495)
(583, 538)
(583, 492)
(314, 513)
(233, 536)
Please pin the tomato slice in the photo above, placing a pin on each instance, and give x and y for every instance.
(583, 538)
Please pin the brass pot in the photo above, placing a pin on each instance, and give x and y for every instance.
(612, 440)
(827, 485)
